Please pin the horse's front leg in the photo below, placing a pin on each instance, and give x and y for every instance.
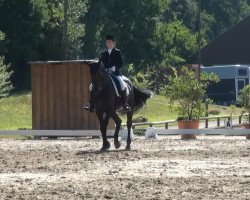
(118, 122)
(103, 128)
(129, 126)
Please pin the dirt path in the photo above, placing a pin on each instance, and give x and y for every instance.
(212, 167)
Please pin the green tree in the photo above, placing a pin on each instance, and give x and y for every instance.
(21, 27)
(217, 16)
(224, 14)
(74, 31)
(244, 98)
(34, 31)
(138, 78)
(132, 22)
(93, 20)
(5, 83)
(183, 10)
(174, 44)
(5, 73)
(61, 28)
(1, 36)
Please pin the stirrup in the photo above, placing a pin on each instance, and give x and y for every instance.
(89, 107)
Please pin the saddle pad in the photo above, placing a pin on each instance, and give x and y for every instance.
(117, 86)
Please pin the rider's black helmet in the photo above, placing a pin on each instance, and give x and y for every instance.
(110, 37)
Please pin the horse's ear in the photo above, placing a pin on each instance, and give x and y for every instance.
(100, 63)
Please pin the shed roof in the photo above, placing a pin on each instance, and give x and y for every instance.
(232, 47)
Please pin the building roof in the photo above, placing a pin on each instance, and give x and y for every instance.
(232, 47)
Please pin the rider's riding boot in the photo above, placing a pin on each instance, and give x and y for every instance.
(124, 101)
(90, 106)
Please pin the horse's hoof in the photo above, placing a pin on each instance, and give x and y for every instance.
(117, 145)
(103, 149)
(105, 146)
(128, 148)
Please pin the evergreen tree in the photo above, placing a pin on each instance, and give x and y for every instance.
(5, 83)
(5, 73)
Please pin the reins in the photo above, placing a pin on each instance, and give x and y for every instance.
(101, 86)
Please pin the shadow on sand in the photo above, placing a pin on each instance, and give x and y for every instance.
(102, 152)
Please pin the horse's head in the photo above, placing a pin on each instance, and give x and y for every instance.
(97, 70)
(94, 68)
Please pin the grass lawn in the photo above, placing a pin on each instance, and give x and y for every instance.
(158, 109)
(16, 137)
(15, 111)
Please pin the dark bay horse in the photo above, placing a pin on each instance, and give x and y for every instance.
(107, 103)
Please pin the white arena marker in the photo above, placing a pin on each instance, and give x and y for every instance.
(124, 134)
(151, 133)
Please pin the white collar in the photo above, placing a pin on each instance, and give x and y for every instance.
(109, 50)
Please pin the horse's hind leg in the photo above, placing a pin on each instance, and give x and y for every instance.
(118, 122)
(129, 125)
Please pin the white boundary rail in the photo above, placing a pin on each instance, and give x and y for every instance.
(56, 133)
(233, 132)
(89, 133)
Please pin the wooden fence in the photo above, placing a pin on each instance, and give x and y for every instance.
(216, 119)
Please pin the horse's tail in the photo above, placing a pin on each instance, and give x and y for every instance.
(140, 97)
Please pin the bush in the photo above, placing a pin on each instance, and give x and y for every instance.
(139, 132)
(139, 119)
(138, 78)
(214, 112)
(188, 92)
(244, 98)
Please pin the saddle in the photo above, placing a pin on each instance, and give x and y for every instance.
(117, 85)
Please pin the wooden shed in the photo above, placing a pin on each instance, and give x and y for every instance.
(59, 91)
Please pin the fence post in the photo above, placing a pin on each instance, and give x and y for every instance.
(240, 119)
(218, 122)
(206, 123)
(166, 125)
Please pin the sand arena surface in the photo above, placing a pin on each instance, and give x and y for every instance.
(211, 167)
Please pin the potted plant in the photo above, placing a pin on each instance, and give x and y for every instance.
(189, 94)
(244, 100)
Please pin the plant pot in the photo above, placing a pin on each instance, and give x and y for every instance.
(247, 126)
(194, 124)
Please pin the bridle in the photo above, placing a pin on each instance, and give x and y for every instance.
(97, 88)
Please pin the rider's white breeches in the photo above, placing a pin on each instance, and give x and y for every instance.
(121, 81)
(90, 87)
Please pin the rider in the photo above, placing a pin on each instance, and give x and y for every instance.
(112, 60)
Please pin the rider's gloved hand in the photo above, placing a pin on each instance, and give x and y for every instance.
(113, 69)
